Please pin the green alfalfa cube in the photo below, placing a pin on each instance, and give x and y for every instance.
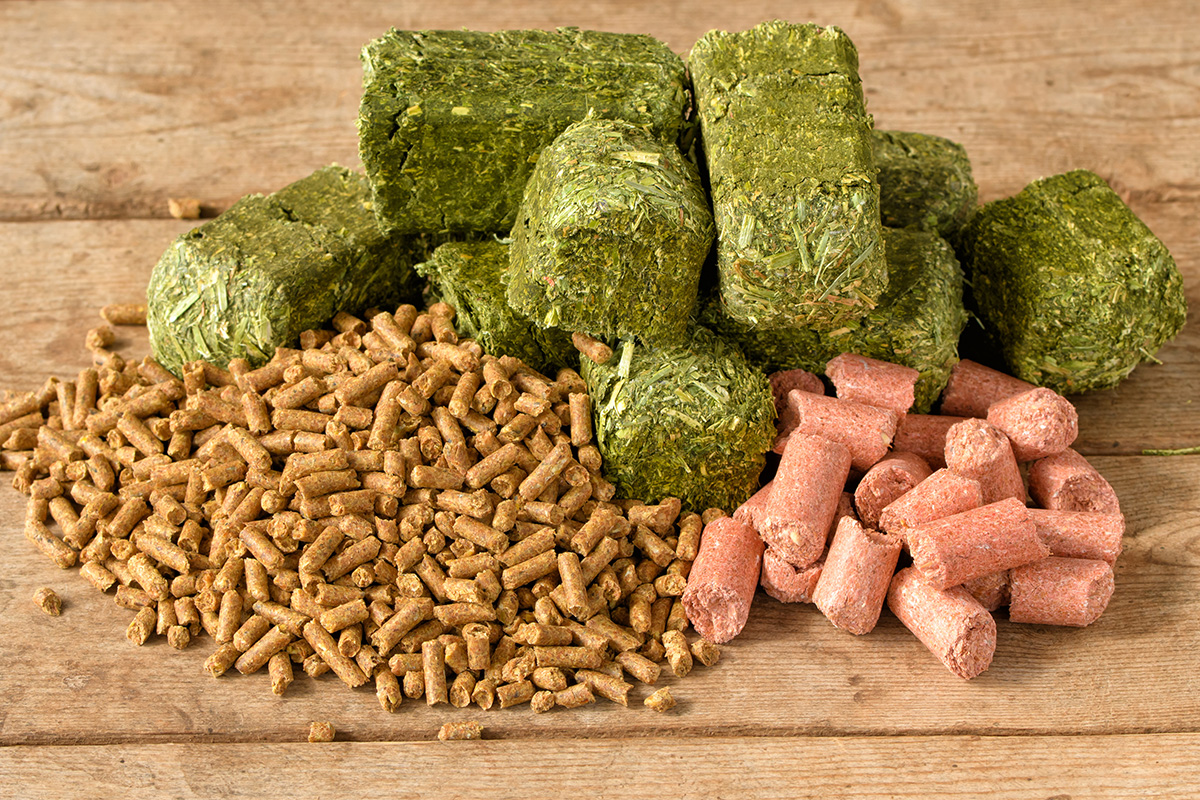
(917, 322)
(612, 234)
(471, 277)
(1071, 287)
(692, 421)
(451, 122)
(925, 182)
(252, 279)
(787, 141)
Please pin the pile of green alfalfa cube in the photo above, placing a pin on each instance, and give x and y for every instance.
(574, 149)
(562, 174)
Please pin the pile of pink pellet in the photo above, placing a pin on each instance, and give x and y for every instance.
(861, 482)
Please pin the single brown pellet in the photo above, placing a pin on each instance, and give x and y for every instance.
(279, 667)
(678, 654)
(433, 659)
(221, 660)
(661, 701)
(143, 626)
(513, 694)
(48, 601)
(95, 574)
(320, 732)
(460, 731)
(542, 701)
(705, 652)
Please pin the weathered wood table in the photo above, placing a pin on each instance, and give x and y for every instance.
(109, 108)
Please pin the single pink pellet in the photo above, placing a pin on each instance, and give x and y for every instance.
(750, 511)
(854, 581)
(1080, 534)
(873, 382)
(1067, 482)
(804, 497)
(991, 591)
(987, 539)
(1060, 591)
(723, 579)
(950, 622)
(887, 481)
(783, 382)
(1039, 423)
(867, 431)
(976, 449)
(942, 494)
(972, 388)
(786, 583)
(925, 435)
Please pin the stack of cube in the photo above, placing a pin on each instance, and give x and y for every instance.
(576, 201)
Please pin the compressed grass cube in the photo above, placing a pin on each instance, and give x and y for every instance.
(691, 421)
(471, 276)
(612, 234)
(788, 145)
(270, 267)
(1072, 288)
(917, 322)
(925, 182)
(451, 122)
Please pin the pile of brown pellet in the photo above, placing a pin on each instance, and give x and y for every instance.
(386, 502)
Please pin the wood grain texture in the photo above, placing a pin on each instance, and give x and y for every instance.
(218, 99)
(789, 673)
(933, 768)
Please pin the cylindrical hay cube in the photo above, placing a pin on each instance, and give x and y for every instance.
(942, 494)
(977, 449)
(951, 550)
(786, 583)
(972, 388)
(865, 430)
(804, 497)
(885, 482)
(1060, 591)
(1080, 534)
(1040, 422)
(723, 579)
(925, 435)
(990, 590)
(873, 382)
(855, 578)
(1067, 482)
(950, 622)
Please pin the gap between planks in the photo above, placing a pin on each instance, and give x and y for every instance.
(931, 768)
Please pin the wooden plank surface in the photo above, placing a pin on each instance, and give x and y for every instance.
(221, 98)
(108, 108)
(934, 768)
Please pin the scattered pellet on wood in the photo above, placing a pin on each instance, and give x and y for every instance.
(183, 207)
(459, 731)
(661, 700)
(124, 313)
(321, 732)
(48, 601)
